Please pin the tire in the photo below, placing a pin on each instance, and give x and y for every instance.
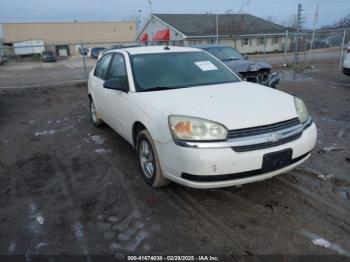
(149, 163)
(94, 115)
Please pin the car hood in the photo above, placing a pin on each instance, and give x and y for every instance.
(235, 105)
(245, 65)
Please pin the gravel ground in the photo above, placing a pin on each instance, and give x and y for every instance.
(67, 188)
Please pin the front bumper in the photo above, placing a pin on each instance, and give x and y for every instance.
(272, 80)
(176, 161)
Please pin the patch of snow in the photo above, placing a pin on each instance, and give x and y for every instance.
(321, 242)
(102, 151)
(98, 139)
(52, 131)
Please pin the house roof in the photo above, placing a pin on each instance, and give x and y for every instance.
(229, 24)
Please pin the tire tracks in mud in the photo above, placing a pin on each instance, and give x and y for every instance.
(190, 207)
(61, 172)
(323, 208)
(128, 227)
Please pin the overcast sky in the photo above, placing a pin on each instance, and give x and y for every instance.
(114, 10)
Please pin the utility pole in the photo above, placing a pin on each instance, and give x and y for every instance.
(296, 54)
(138, 22)
(150, 7)
(314, 31)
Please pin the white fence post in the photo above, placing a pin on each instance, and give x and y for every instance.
(84, 60)
(285, 49)
(264, 47)
(342, 51)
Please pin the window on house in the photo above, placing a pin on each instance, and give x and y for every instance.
(275, 40)
(261, 41)
(245, 41)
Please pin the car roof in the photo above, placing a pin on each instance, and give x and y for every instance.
(156, 49)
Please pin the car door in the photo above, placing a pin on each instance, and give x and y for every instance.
(117, 100)
(98, 78)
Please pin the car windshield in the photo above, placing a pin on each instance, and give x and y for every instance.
(224, 53)
(162, 71)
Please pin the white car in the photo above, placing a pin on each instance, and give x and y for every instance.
(193, 121)
(346, 62)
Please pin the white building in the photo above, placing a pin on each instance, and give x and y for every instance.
(245, 32)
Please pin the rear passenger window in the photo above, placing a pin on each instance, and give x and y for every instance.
(102, 67)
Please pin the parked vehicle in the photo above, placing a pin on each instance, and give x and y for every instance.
(335, 40)
(346, 61)
(94, 51)
(116, 47)
(193, 121)
(31, 47)
(3, 59)
(251, 71)
(48, 56)
(83, 51)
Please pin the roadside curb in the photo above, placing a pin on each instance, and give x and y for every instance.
(48, 85)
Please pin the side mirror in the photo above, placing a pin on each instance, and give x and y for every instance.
(116, 84)
(245, 56)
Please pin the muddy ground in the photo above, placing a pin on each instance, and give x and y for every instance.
(68, 188)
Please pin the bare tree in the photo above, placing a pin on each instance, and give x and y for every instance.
(342, 23)
(290, 21)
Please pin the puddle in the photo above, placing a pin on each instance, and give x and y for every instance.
(289, 75)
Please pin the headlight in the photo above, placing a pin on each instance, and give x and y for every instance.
(196, 129)
(301, 109)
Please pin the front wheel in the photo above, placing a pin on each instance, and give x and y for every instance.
(148, 160)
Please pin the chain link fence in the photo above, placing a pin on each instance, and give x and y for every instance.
(30, 61)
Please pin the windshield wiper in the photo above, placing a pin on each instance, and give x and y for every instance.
(158, 88)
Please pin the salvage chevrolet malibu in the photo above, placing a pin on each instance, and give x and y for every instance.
(193, 121)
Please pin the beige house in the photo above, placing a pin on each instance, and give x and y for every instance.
(69, 36)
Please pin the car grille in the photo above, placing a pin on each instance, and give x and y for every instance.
(266, 145)
(253, 131)
(261, 130)
(259, 76)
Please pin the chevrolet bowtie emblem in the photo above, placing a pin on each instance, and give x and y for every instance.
(274, 137)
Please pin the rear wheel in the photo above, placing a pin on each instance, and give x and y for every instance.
(95, 116)
(148, 160)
